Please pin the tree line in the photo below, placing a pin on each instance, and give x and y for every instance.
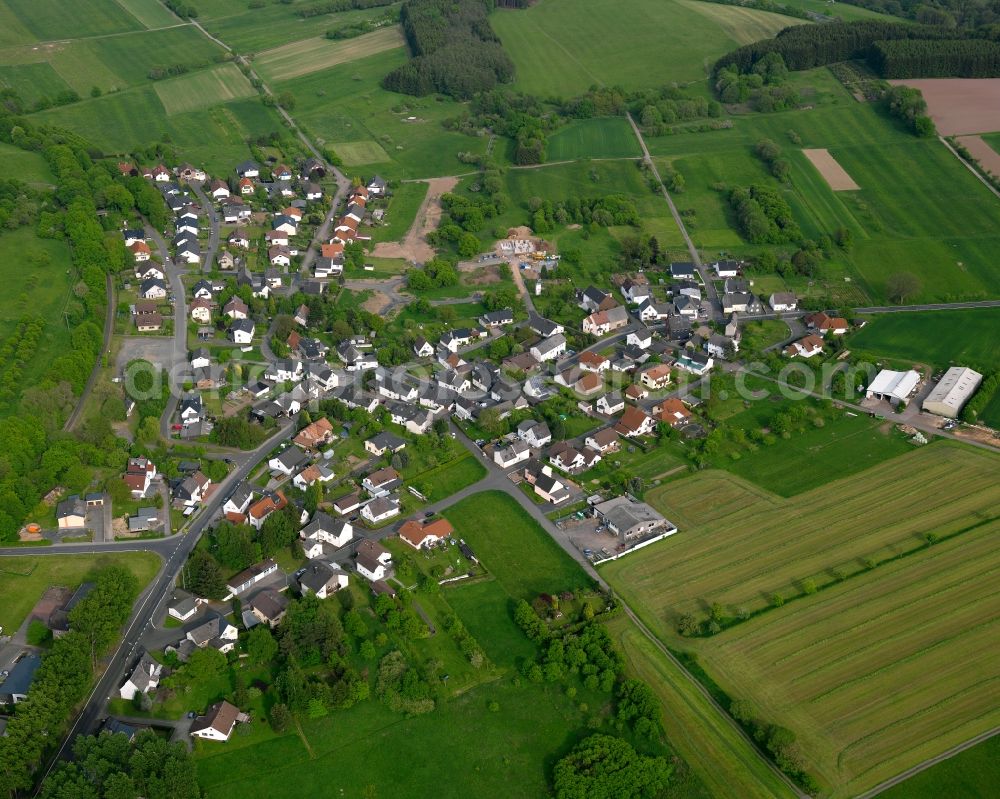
(64, 677)
(891, 49)
(335, 6)
(455, 51)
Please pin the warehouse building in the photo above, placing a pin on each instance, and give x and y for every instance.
(953, 391)
(893, 387)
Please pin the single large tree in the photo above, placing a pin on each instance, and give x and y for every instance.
(901, 286)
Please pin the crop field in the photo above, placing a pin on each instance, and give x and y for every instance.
(56, 19)
(108, 63)
(253, 30)
(564, 47)
(23, 580)
(312, 55)
(609, 137)
(151, 15)
(918, 209)
(869, 672)
(203, 89)
(742, 25)
(346, 104)
(939, 338)
(971, 774)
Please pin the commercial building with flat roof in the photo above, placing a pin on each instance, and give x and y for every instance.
(952, 391)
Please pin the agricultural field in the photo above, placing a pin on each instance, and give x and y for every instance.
(609, 137)
(346, 104)
(562, 47)
(46, 20)
(938, 338)
(215, 137)
(23, 580)
(944, 238)
(109, 64)
(254, 30)
(862, 665)
(312, 55)
(203, 89)
(971, 774)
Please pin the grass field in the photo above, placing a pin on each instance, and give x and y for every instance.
(938, 338)
(918, 210)
(563, 47)
(215, 138)
(204, 89)
(843, 446)
(151, 15)
(870, 675)
(110, 63)
(443, 481)
(513, 547)
(972, 774)
(346, 104)
(402, 211)
(27, 166)
(23, 580)
(57, 19)
(609, 137)
(312, 55)
(355, 153)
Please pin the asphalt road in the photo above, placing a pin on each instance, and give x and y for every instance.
(208, 259)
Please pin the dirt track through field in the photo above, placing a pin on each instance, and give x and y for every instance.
(833, 173)
(960, 105)
(414, 246)
(987, 157)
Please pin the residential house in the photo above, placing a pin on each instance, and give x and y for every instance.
(695, 363)
(239, 238)
(424, 535)
(235, 308)
(545, 328)
(144, 679)
(383, 443)
(182, 605)
(535, 434)
(71, 513)
(347, 504)
(287, 461)
(719, 346)
(422, 348)
(805, 347)
(241, 331)
(517, 452)
(216, 632)
(547, 485)
(258, 512)
(650, 312)
(322, 578)
(153, 289)
(641, 338)
(150, 270)
(381, 482)
(218, 722)
(192, 489)
(201, 311)
(373, 560)
(248, 169)
(724, 269)
(590, 361)
(671, 411)
(683, 270)
(315, 435)
(549, 349)
(610, 404)
(656, 377)
(783, 301)
(190, 409)
(380, 509)
(314, 473)
(140, 251)
(603, 441)
(148, 322)
(17, 683)
(324, 529)
(593, 299)
(139, 474)
(822, 323)
(377, 186)
(686, 306)
(239, 500)
(565, 456)
(589, 384)
(497, 318)
(635, 422)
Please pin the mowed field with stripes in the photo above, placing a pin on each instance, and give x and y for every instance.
(893, 659)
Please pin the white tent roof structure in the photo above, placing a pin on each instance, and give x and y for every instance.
(896, 385)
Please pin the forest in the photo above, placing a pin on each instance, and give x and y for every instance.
(892, 49)
(455, 51)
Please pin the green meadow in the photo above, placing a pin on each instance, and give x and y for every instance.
(940, 338)
(609, 137)
(563, 47)
(203, 89)
(46, 20)
(918, 210)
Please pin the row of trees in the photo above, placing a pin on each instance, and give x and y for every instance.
(936, 58)
(455, 51)
(334, 6)
(64, 677)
